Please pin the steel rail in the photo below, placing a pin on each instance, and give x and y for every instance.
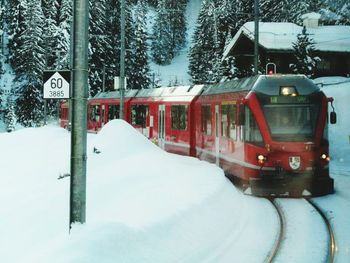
(270, 258)
(332, 244)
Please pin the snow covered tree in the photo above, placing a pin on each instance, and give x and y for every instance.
(15, 20)
(272, 11)
(29, 106)
(30, 55)
(304, 55)
(97, 43)
(30, 62)
(10, 117)
(112, 48)
(345, 14)
(177, 22)
(162, 53)
(139, 78)
(64, 23)
(205, 53)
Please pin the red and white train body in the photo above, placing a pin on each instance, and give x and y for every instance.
(268, 133)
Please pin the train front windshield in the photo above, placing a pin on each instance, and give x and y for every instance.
(291, 122)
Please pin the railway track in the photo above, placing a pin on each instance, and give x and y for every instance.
(332, 244)
(278, 242)
(274, 253)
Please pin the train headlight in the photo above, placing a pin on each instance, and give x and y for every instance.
(324, 157)
(288, 91)
(261, 159)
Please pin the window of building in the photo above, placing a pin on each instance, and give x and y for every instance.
(206, 119)
(139, 115)
(179, 117)
(228, 121)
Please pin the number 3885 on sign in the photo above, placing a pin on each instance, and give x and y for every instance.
(56, 84)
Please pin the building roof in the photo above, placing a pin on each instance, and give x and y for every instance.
(281, 36)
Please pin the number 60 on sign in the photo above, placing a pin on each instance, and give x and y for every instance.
(56, 84)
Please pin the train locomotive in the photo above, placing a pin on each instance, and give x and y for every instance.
(269, 133)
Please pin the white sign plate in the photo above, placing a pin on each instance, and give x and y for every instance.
(56, 84)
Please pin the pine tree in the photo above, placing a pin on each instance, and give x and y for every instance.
(29, 106)
(15, 20)
(304, 55)
(10, 118)
(30, 56)
(30, 60)
(97, 45)
(63, 39)
(205, 53)
(162, 52)
(139, 78)
(345, 14)
(169, 30)
(112, 48)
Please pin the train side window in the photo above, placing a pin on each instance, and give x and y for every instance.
(113, 112)
(206, 119)
(95, 113)
(228, 121)
(179, 117)
(252, 131)
(139, 115)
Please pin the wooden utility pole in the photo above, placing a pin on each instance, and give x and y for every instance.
(79, 111)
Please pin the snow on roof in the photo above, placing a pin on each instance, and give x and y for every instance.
(311, 15)
(281, 36)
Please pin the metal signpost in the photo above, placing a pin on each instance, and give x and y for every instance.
(122, 58)
(79, 111)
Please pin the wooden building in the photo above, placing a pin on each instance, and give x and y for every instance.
(332, 46)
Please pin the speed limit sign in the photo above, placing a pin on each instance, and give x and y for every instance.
(56, 84)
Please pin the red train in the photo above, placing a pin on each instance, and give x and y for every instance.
(268, 133)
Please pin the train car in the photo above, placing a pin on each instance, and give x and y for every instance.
(64, 115)
(165, 115)
(105, 106)
(269, 133)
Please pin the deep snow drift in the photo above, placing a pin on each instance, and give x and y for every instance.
(143, 204)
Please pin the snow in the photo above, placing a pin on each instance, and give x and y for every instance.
(146, 205)
(143, 204)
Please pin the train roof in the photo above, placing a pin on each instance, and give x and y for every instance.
(115, 94)
(236, 85)
(271, 84)
(178, 93)
(267, 84)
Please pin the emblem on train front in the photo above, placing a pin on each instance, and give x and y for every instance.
(294, 162)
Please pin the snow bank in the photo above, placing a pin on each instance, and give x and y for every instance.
(143, 204)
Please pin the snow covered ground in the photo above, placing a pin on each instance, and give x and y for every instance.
(146, 205)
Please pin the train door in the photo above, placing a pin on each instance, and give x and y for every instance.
(103, 115)
(217, 135)
(161, 126)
